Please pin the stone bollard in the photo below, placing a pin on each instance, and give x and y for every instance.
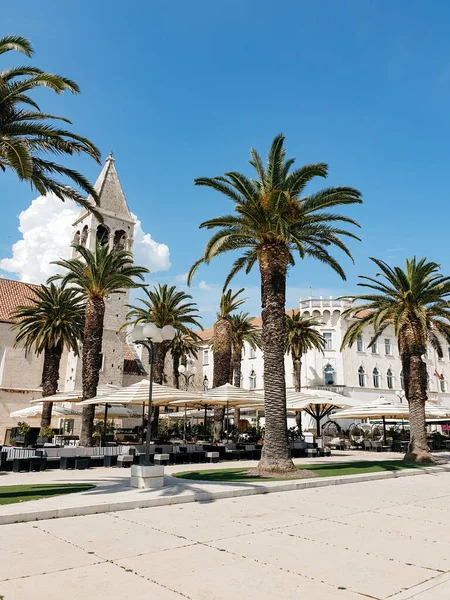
(147, 476)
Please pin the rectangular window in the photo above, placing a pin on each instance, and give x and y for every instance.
(328, 341)
(359, 344)
(252, 353)
(387, 346)
(449, 353)
(205, 357)
(102, 361)
(253, 380)
(375, 348)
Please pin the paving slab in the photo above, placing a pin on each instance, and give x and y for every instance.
(105, 581)
(27, 551)
(345, 568)
(428, 554)
(202, 573)
(397, 525)
(110, 538)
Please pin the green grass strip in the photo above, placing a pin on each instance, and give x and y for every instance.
(320, 470)
(10, 494)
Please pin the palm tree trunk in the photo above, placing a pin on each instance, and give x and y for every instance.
(50, 378)
(273, 261)
(222, 368)
(237, 372)
(415, 379)
(91, 364)
(297, 366)
(175, 364)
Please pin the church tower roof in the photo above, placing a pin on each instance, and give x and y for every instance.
(111, 199)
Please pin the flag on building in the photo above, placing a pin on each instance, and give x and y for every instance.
(437, 374)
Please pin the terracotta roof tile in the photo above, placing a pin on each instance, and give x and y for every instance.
(207, 334)
(12, 295)
(131, 364)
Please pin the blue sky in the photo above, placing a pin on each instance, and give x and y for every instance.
(184, 89)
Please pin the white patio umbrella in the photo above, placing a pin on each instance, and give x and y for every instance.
(318, 404)
(35, 411)
(225, 395)
(76, 395)
(382, 409)
(162, 395)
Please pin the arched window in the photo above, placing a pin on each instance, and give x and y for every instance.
(120, 240)
(329, 374)
(376, 378)
(390, 379)
(102, 235)
(442, 383)
(402, 381)
(361, 377)
(252, 380)
(76, 238)
(84, 236)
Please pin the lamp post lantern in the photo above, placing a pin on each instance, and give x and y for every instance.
(148, 335)
(400, 395)
(188, 371)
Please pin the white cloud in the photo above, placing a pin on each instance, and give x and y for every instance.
(204, 286)
(147, 252)
(46, 228)
(182, 278)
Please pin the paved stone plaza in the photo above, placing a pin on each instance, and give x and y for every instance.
(378, 539)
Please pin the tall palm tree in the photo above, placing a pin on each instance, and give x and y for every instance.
(222, 351)
(273, 221)
(96, 274)
(242, 330)
(415, 302)
(53, 321)
(162, 306)
(301, 336)
(182, 345)
(27, 134)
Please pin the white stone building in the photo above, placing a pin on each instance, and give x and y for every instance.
(359, 372)
(20, 373)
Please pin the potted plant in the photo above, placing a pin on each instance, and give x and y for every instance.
(45, 435)
(22, 432)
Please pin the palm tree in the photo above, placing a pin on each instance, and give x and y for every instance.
(242, 330)
(27, 133)
(53, 321)
(182, 345)
(272, 221)
(415, 302)
(301, 337)
(222, 351)
(96, 274)
(164, 305)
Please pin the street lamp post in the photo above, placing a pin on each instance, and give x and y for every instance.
(148, 335)
(188, 371)
(400, 394)
(205, 419)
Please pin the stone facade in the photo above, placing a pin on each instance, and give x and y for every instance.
(20, 372)
(358, 372)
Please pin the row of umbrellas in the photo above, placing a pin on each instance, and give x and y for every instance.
(318, 404)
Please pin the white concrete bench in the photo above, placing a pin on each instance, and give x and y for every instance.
(125, 460)
(212, 457)
(161, 459)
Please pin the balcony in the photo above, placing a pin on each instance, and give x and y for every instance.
(311, 303)
(338, 389)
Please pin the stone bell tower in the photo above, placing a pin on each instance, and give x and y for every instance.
(117, 230)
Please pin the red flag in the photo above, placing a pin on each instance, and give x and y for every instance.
(437, 374)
